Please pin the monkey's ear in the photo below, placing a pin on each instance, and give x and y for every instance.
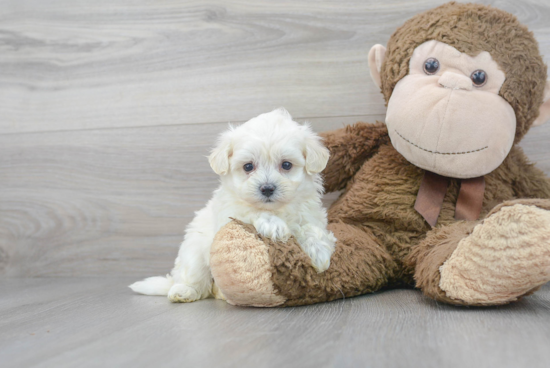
(544, 115)
(219, 158)
(376, 58)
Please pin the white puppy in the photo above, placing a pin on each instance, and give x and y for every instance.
(269, 171)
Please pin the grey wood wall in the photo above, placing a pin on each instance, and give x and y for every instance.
(108, 109)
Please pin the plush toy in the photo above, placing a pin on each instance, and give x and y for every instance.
(440, 196)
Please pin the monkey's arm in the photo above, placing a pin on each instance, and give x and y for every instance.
(349, 147)
(530, 182)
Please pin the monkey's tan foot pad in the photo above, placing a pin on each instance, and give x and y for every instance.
(506, 256)
(241, 268)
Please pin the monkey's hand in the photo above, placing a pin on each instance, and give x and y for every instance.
(349, 147)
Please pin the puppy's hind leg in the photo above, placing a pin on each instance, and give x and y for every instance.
(191, 273)
(192, 281)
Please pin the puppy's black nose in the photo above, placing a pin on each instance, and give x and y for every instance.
(267, 190)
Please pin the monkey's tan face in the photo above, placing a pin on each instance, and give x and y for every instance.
(446, 116)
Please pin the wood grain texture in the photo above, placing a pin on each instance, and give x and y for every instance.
(99, 322)
(94, 64)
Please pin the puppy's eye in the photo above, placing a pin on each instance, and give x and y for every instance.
(431, 66)
(286, 165)
(479, 77)
(248, 167)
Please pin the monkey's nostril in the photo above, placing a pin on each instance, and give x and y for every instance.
(455, 81)
(267, 190)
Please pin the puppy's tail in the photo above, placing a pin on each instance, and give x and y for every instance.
(157, 285)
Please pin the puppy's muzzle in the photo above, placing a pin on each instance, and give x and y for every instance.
(267, 190)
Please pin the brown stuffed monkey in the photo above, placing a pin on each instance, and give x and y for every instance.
(440, 196)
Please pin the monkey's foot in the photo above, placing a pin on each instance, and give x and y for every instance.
(505, 257)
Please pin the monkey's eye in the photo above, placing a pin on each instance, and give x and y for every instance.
(286, 165)
(479, 77)
(248, 167)
(431, 66)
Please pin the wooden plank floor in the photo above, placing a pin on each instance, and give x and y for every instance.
(107, 110)
(94, 322)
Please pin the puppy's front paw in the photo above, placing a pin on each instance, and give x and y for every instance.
(321, 265)
(319, 246)
(320, 259)
(180, 293)
(272, 227)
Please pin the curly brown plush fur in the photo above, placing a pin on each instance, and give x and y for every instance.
(380, 195)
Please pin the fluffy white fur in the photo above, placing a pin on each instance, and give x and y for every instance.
(294, 208)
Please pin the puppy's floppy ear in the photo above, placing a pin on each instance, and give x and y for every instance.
(316, 153)
(219, 158)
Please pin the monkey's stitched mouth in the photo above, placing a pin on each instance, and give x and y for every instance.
(439, 153)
